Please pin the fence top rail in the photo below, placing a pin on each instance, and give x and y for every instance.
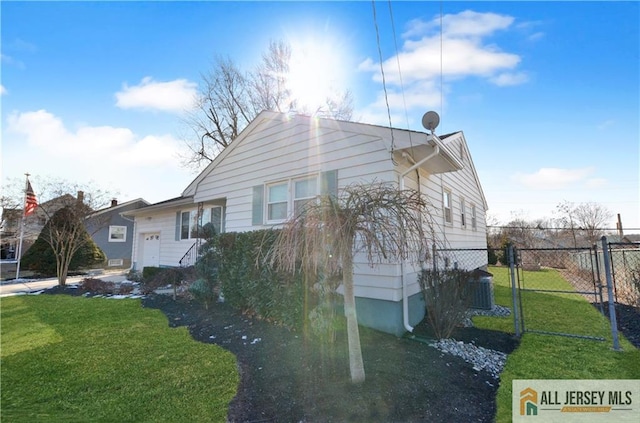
(463, 249)
(630, 245)
(556, 249)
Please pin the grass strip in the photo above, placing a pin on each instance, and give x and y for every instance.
(88, 359)
(555, 357)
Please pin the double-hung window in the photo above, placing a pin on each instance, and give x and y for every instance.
(474, 220)
(305, 191)
(290, 197)
(446, 204)
(277, 201)
(463, 212)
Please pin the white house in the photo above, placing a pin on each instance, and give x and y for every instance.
(280, 161)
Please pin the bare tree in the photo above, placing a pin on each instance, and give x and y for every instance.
(221, 111)
(585, 221)
(60, 217)
(230, 98)
(378, 219)
(268, 84)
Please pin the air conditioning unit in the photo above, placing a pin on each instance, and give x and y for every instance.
(482, 290)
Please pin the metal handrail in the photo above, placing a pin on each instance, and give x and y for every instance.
(190, 256)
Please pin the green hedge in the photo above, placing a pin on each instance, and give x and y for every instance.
(236, 261)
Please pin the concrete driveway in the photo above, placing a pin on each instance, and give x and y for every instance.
(24, 286)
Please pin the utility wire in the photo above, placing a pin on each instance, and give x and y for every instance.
(384, 82)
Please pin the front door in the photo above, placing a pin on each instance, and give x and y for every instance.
(151, 250)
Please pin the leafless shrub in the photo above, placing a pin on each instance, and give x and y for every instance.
(448, 295)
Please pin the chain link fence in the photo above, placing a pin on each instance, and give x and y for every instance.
(625, 272)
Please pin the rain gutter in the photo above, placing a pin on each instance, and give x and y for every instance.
(405, 297)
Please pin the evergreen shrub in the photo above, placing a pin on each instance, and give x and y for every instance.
(235, 261)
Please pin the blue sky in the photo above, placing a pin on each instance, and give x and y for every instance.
(547, 93)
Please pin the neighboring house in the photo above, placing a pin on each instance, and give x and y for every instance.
(113, 232)
(33, 224)
(279, 161)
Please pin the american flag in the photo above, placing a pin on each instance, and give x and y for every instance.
(31, 202)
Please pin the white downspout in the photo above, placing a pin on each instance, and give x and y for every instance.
(405, 298)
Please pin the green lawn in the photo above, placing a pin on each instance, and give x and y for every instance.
(554, 357)
(86, 359)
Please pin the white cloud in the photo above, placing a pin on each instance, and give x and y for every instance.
(606, 124)
(11, 61)
(3, 90)
(171, 96)
(116, 158)
(466, 52)
(506, 79)
(551, 178)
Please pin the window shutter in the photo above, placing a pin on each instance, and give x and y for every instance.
(257, 210)
(178, 222)
(329, 183)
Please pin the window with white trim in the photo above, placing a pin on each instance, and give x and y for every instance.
(277, 201)
(203, 225)
(305, 191)
(446, 205)
(290, 197)
(117, 233)
(463, 211)
(474, 221)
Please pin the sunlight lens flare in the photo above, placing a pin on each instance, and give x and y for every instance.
(315, 73)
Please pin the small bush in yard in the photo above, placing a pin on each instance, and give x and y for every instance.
(164, 276)
(125, 288)
(97, 286)
(203, 291)
(447, 294)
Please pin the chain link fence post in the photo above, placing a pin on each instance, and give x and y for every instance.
(514, 295)
(612, 307)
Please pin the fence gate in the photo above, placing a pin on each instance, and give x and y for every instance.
(553, 287)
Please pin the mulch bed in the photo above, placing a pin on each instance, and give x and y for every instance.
(285, 378)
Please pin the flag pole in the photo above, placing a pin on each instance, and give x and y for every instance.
(24, 211)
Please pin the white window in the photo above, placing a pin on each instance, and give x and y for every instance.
(201, 225)
(305, 191)
(290, 197)
(117, 233)
(474, 221)
(277, 201)
(446, 204)
(463, 211)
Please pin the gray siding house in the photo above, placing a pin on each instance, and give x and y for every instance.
(113, 232)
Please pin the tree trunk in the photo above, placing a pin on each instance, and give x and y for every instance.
(356, 366)
(63, 269)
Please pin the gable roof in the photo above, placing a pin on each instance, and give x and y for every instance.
(419, 143)
(162, 205)
(119, 206)
(452, 137)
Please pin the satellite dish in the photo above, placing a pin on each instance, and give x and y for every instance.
(430, 121)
